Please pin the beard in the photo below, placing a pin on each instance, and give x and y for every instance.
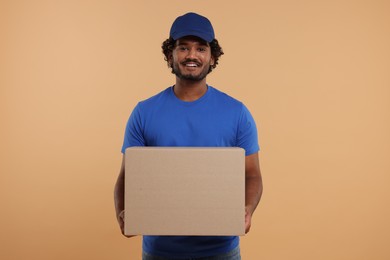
(190, 76)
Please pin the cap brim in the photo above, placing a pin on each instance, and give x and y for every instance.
(203, 36)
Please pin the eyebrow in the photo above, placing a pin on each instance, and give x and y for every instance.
(184, 42)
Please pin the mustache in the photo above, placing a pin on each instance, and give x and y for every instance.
(193, 61)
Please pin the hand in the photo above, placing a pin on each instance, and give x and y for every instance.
(248, 219)
(121, 221)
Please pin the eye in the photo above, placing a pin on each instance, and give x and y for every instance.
(201, 49)
(182, 48)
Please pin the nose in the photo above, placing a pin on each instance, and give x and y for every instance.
(191, 54)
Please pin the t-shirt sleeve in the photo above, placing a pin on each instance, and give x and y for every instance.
(247, 133)
(134, 130)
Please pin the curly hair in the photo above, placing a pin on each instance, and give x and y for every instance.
(169, 44)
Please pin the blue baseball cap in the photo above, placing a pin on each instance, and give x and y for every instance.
(192, 24)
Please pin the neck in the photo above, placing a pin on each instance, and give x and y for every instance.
(188, 90)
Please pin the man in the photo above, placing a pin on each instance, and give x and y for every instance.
(192, 113)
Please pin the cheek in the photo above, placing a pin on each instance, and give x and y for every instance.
(174, 57)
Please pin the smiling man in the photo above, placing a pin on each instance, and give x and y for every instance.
(193, 56)
(192, 113)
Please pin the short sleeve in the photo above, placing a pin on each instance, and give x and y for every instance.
(134, 130)
(247, 133)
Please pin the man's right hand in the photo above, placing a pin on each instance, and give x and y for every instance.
(121, 221)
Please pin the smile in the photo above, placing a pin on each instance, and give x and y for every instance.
(191, 64)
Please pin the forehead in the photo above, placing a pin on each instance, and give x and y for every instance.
(191, 40)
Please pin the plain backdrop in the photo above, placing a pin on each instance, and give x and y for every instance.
(314, 74)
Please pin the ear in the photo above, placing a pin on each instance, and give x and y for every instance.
(170, 61)
(212, 61)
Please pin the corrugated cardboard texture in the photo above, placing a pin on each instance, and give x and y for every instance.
(184, 191)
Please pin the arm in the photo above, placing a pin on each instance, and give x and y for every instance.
(253, 187)
(119, 197)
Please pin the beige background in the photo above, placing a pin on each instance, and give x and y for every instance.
(315, 75)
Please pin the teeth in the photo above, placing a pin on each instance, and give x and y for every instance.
(191, 65)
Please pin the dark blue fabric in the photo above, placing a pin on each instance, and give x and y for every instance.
(192, 24)
(231, 255)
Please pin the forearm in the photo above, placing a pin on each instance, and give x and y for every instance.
(253, 182)
(253, 192)
(119, 199)
(119, 195)
(119, 191)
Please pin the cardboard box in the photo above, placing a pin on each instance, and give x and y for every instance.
(184, 191)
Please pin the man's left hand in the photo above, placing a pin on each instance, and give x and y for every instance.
(248, 219)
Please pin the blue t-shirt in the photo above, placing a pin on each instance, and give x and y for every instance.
(214, 120)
